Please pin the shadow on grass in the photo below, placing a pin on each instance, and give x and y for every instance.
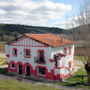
(68, 84)
(3, 70)
(79, 76)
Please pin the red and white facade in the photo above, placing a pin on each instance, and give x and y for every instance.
(24, 59)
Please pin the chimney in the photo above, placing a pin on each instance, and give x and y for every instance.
(61, 39)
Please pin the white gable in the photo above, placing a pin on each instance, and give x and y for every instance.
(25, 41)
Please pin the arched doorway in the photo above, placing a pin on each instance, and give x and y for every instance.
(27, 71)
(19, 69)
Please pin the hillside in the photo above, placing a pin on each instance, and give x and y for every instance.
(80, 33)
(10, 31)
(13, 30)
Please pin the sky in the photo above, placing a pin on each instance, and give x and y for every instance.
(51, 13)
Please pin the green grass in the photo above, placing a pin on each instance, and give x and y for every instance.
(71, 81)
(5, 63)
(3, 42)
(78, 76)
(3, 58)
(80, 58)
(3, 70)
(13, 85)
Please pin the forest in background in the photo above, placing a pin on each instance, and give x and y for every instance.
(11, 31)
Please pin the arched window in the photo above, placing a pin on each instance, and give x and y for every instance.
(12, 66)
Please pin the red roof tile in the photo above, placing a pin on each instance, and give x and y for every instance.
(50, 39)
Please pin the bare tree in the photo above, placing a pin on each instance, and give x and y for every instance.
(84, 21)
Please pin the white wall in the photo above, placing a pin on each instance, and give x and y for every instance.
(64, 61)
(49, 52)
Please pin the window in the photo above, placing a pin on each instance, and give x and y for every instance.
(41, 71)
(14, 51)
(55, 59)
(41, 56)
(65, 51)
(27, 53)
(69, 51)
(12, 66)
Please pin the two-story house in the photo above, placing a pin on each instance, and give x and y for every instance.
(41, 55)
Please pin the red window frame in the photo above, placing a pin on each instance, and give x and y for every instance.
(69, 53)
(65, 51)
(29, 53)
(41, 50)
(12, 67)
(13, 52)
(40, 75)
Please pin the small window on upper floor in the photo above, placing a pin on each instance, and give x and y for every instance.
(14, 51)
(27, 53)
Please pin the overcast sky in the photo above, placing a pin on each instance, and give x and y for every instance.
(38, 12)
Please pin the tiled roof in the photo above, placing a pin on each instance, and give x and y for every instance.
(50, 39)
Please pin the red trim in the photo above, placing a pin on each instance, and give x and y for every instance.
(48, 75)
(13, 52)
(51, 60)
(20, 63)
(41, 50)
(29, 53)
(17, 40)
(36, 68)
(12, 43)
(9, 66)
(28, 46)
(7, 55)
(31, 68)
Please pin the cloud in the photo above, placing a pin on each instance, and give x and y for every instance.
(2, 12)
(31, 12)
(3, 4)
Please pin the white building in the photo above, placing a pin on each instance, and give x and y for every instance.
(41, 55)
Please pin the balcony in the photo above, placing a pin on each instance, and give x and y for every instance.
(39, 61)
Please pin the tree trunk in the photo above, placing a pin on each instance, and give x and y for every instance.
(87, 67)
(88, 76)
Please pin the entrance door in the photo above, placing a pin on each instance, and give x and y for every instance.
(27, 71)
(20, 69)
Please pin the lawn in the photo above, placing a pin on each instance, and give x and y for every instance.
(80, 58)
(81, 73)
(3, 42)
(3, 70)
(13, 85)
(76, 80)
(3, 61)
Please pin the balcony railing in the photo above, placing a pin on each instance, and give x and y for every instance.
(39, 61)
